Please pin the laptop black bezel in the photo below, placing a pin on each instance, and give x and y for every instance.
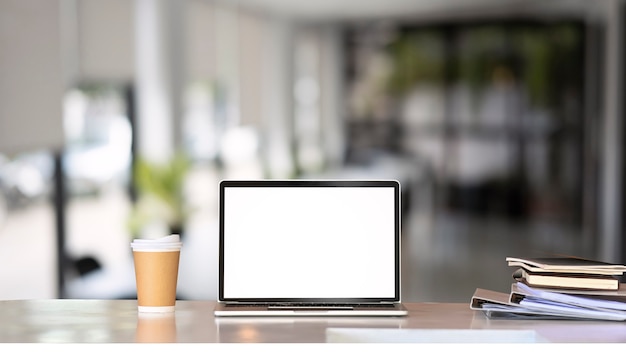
(313, 183)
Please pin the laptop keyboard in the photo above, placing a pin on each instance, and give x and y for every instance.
(312, 305)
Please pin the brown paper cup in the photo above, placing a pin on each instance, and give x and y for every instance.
(156, 275)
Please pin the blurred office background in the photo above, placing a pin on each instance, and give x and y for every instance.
(501, 119)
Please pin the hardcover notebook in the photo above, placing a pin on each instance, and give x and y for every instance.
(567, 280)
(567, 265)
(309, 248)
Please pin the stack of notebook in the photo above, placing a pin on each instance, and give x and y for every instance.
(558, 287)
(566, 273)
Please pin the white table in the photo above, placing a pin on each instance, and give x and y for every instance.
(105, 321)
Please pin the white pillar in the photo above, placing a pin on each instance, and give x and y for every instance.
(611, 163)
(332, 99)
(159, 77)
(277, 98)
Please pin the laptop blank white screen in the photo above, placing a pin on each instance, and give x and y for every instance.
(309, 242)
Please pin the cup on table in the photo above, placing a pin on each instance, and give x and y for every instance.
(156, 272)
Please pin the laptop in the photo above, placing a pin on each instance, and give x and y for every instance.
(309, 248)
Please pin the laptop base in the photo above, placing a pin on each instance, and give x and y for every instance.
(233, 310)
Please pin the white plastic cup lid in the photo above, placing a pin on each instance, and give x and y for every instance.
(171, 242)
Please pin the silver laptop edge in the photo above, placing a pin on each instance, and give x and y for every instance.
(247, 307)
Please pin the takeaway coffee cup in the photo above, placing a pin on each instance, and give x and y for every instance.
(156, 272)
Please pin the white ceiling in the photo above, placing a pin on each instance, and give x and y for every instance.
(329, 10)
(333, 9)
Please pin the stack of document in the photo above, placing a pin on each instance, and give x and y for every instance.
(525, 301)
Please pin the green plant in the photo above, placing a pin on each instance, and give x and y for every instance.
(417, 57)
(160, 194)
